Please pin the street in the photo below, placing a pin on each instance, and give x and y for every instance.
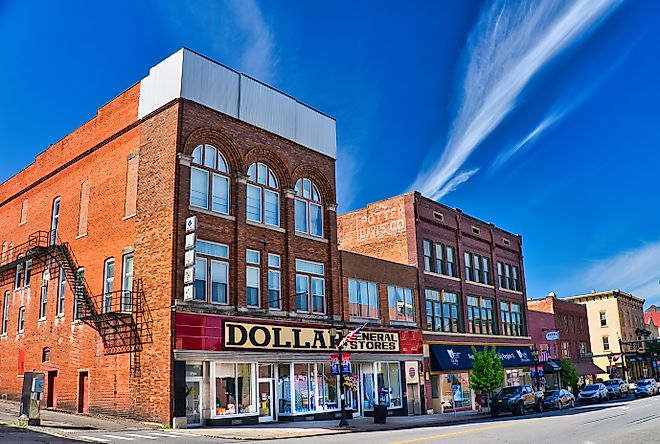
(626, 421)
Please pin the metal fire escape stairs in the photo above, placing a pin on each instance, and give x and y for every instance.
(120, 317)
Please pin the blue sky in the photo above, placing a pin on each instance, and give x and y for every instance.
(541, 117)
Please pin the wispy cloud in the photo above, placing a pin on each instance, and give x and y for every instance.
(634, 271)
(511, 42)
(455, 182)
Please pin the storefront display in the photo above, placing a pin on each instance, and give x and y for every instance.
(233, 389)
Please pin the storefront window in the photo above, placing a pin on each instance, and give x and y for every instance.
(233, 389)
(327, 385)
(368, 384)
(284, 388)
(456, 392)
(389, 384)
(305, 388)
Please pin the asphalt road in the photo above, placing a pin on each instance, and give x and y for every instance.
(627, 421)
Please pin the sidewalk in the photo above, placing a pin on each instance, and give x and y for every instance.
(305, 429)
(69, 425)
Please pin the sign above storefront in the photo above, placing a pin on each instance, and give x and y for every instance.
(240, 335)
(461, 357)
(552, 336)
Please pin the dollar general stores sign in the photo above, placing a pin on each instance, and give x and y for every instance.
(239, 335)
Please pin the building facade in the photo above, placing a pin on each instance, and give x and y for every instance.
(613, 317)
(175, 259)
(562, 329)
(471, 286)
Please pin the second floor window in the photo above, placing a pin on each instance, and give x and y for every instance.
(23, 273)
(512, 319)
(583, 349)
(401, 303)
(310, 286)
(603, 319)
(61, 292)
(211, 272)
(442, 311)
(565, 349)
(308, 208)
(108, 284)
(21, 319)
(43, 301)
(263, 199)
(606, 343)
(363, 298)
(209, 180)
(481, 318)
(508, 276)
(274, 282)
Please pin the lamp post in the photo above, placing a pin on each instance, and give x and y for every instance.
(535, 357)
(333, 333)
(609, 369)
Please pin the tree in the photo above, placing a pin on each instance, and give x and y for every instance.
(569, 375)
(487, 371)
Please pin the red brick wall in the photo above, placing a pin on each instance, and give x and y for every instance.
(73, 346)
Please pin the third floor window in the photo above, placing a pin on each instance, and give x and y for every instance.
(308, 208)
(508, 276)
(477, 268)
(263, 199)
(439, 258)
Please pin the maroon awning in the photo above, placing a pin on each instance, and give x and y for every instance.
(587, 368)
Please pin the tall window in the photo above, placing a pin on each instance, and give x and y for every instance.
(486, 277)
(233, 389)
(439, 258)
(263, 199)
(310, 286)
(565, 349)
(481, 318)
(18, 282)
(43, 300)
(363, 298)
(603, 319)
(468, 265)
(507, 276)
(211, 261)
(308, 208)
(274, 282)
(606, 343)
(21, 319)
(127, 283)
(252, 272)
(442, 311)
(55, 221)
(5, 313)
(61, 292)
(512, 320)
(209, 180)
(516, 279)
(28, 272)
(500, 274)
(401, 303)
(108, 284)
(79, 293)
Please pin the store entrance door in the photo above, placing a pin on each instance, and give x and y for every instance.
(353, 390)
(194, 401)
(265, 394)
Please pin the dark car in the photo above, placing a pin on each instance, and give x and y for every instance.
(558, 399)
(516, 400)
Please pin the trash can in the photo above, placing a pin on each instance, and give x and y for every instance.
(380, 414)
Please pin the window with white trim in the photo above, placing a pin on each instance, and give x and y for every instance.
(401, 304)
(61, 292)
(274, 282)
(308, 208)
(263, 197)
(363, 298)
(108, 284)
(21, 319)
(252, 278)
(43, 300)
(211, 272)
(5, 313)
(310, 286)
(209, 180)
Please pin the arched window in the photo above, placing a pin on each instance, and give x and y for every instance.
(209, 180)
(263, 199)
(309, 211)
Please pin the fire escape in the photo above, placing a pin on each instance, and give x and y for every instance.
(120, 317)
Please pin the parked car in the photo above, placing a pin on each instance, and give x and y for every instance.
(516, 400)
(616, 388)
(646, 387)
(558, 399)
(593, 393)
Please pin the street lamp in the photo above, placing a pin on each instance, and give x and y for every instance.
(333, 333)
(535, 357)
(609, 358)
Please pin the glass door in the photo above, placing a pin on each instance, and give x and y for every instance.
(352, 390)
(194, 402)
(265, 393)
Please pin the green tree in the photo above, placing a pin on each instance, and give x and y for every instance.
(569, 375)
(487, 371)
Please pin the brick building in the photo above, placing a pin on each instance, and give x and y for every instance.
(175, 258)
(471, 285)
(570, 321)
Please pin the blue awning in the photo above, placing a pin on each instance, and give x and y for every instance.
(460, 357)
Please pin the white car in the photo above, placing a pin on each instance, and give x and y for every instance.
(593, 393)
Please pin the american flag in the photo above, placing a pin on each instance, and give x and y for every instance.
(351, 336)
(544, 356)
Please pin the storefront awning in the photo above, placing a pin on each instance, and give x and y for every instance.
(551, 367)
(585, 368)
(460, 357)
